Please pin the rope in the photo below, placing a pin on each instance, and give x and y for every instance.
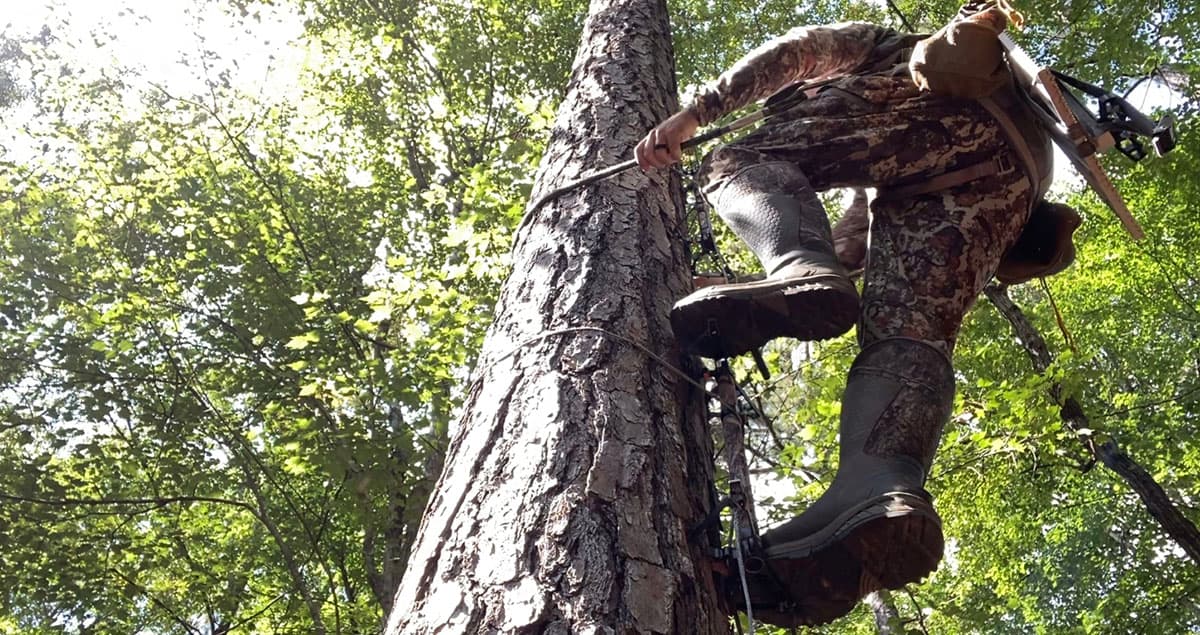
(737, 544)
(613, 170)
(737, 548)
(1058, 318)
(708, 248)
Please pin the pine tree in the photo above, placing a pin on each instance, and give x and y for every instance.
(582, 458)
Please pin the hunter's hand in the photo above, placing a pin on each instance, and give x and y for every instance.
(660, 147)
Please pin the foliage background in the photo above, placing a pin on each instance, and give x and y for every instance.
(235, 324)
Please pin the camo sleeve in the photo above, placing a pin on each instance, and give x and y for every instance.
(804, 53)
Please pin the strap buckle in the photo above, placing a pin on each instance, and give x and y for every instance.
(1004, 164)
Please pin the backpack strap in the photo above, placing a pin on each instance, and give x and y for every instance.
(1036, 172)
(1039, 177)
(1001, 164)
(1016, 140)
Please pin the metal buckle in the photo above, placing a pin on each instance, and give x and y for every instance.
(1004, 164)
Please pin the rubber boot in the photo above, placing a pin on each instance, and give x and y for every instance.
(806, 295)
(875, 527)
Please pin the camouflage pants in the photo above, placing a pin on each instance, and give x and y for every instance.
(929, 255)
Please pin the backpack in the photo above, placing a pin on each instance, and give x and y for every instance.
(965, 58)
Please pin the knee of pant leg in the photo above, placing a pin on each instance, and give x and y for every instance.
(767, 177)
(725, 163)
(713, 172)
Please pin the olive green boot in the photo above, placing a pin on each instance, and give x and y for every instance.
(806, 294)
(875, 527)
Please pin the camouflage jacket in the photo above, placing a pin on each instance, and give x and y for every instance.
(803, 54)
(848, 50)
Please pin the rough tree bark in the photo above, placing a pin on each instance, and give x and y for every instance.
(582, 458)
(1109, 453)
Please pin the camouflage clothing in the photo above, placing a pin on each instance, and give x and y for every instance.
(953, 197)
(806, 53)
(930, 254)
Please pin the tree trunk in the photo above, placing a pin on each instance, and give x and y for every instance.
(582, 459)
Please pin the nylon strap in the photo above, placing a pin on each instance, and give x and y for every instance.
(1017, 141)
(947, 180)
(998, 165)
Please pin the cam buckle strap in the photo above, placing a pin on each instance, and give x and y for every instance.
(1001, 164)
(1017, 142)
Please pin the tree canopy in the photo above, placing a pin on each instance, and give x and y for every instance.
(238, 318)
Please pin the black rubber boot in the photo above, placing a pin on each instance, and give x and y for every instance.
(806, 295)
(875, 527)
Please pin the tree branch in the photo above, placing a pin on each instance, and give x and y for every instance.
(1155, 498)
(187, 626)
(154, 502)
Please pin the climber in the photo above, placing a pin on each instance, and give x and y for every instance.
(957, 179)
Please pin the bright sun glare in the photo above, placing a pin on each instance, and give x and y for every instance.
(164, 39)
(163, 43)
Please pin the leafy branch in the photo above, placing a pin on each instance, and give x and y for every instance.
(1109, 453)
(153, 503)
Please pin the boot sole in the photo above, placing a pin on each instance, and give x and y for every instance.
(728, 320)
(884, 543)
